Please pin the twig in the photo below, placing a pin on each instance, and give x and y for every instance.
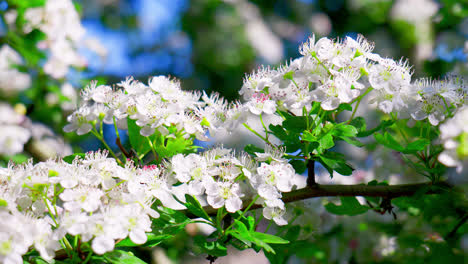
(454, 230)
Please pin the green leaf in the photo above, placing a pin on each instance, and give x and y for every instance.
(326, 142)
(295, 123)
(289, 75)
(416, 146)
(27, 4)
(279, 132)
(382, 125)
(345, 107)
(359, 123)
(122, 257)
(18, 158)
(271, 239)
(388, 141)
(349, 206)
(139, 143)
(345, 131)
(3, 203)
(298, 165)
(195, 208)
(71, 158)
(251, 149)
(335, 162)
(213, 248)
(260, 239)
(353, 141)
(153, 240)
(307, 136)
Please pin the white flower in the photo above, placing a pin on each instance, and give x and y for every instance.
(85, 198)
(257, 82)
(334, 92)
(275, 214)
(389, 75)
(280, 175)
(224, 194)
(261, 103)
(80, 121)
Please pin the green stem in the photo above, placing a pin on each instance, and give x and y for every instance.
(88, 257)
(101, 138)
(268, 227)
(256, 133)
(245, 211)
(264, 127)
(359, 99)
(156, 157)
(320, 63)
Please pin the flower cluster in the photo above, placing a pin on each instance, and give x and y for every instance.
(12, 80)
(13, 134)
(224, 178)
(100, 201)
(91, 197)
(155, 107)
(454, 134)
(60, 22)
(333, 73)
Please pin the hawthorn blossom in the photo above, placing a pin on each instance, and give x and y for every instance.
(261, 103)
(221, 193)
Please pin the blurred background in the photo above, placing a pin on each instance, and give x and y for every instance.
(212, 44)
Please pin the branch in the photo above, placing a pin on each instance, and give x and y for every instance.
(325, 190)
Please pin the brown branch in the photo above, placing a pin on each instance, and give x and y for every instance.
(324, 190)
(124, 151)
(311, 173)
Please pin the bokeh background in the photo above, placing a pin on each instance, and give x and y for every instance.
(211, 44)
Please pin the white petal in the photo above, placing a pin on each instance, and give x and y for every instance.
(138, 236)
(233, 204)
(102, 244)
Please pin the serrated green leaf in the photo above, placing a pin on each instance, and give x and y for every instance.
(349, 206)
